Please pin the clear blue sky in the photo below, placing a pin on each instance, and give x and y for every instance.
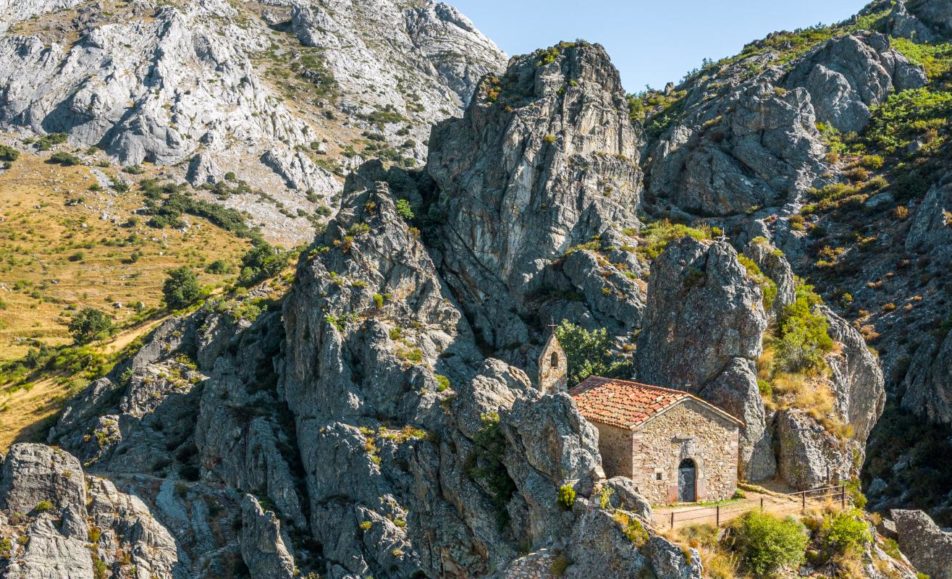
(651, 42)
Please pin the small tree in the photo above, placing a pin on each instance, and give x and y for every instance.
(588, 353)
(804, 336)
(181, 288)
(262, 261)
(89, 325)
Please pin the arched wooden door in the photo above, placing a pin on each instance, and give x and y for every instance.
(687, 481)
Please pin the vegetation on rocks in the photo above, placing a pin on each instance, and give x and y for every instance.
(589, 353)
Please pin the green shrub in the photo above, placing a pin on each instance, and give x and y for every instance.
(559, 565)
(766, 543)
(64, 159)
(844, 533)
(43, 507)
(263, 261)
(8, 154)
(6, 548)
(588, 353)
(632, 528)
(566, 497)
(89, 325)
(404, 210)
(657, 235)
(218, 267)
(442, 383)
(804, 337)
(46, 142)
(181, 288)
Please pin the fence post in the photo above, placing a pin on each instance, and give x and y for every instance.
(804, 497)
(761, 504)
(843, 496)
(672, 520)
(718, 515)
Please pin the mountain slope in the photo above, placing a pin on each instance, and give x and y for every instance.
(213, 88)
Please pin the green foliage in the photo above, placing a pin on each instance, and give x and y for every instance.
(632, 528)
(166, 203)
(766, 543)
(559, 565)
(909, 115)
(767, 286)
(803, 333)
(404, 210)
(588, 353)
(263, 261)
(89, 325)
(935, 59)
(657, 235)
(656, 110)
(218, 267)
(64, 159)
(181, 288)
(566, 497)
(8, 154)
(47, 142)
(845, 532)
(442, 383)
(43, 507)
(6, 548)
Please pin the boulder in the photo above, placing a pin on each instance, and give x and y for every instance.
(848, 75)
(924, 543)
(263, 545)
(809, 456)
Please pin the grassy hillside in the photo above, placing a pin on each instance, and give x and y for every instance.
(67, 242)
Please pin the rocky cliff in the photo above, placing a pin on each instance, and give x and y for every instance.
(283, 95)
(382, 418)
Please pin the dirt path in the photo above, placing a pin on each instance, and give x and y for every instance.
(679, 516)
(26, 412)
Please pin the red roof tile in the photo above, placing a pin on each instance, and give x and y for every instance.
(623, 403)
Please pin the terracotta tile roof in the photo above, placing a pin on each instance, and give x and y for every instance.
(623, 403)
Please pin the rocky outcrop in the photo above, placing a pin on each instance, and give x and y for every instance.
(263, 547)
(66, 524)
(703, 331)
(809, 456)
(13, 11)
(920, 20)
(755, 146)
(848, 75)
(857, 379)
(545, 159)
(926, 545)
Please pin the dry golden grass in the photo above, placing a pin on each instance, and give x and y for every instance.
(57, 254)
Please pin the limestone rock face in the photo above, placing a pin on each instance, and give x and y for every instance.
(194, 86)
(921, 20)
(702, 287)
(857, 379)
(13, 11)
(809, 456)
(848, 75)
(53, 510)
(544, 159)
(262, 544)
(703, 330)
(753, 147)
(926, 545)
